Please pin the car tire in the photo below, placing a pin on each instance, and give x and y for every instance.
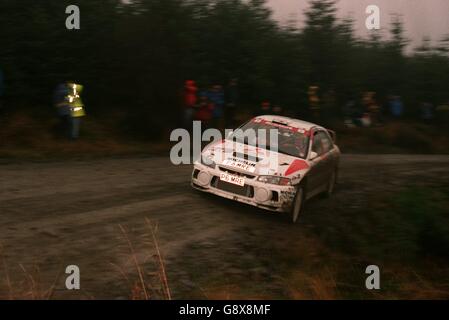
(331, 184)
(298, 203)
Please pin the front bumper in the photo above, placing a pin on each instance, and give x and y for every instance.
(266, 196)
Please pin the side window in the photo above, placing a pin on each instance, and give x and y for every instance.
(326, 142)
(321, 143)
(317, 146)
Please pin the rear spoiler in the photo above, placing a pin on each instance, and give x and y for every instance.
(333, 135)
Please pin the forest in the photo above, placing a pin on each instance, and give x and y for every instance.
(134, 56)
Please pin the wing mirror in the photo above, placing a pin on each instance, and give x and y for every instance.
(313, 155)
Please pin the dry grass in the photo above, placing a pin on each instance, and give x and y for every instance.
(162, 272)
(394, 137)
(25, 137)
(29, 287)
(145, 287)
(151, 281)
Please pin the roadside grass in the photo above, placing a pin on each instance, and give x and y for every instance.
(145, 277)
(405, 234)
(149, 279)
(26, 286)
(394, 137)
(24, 135)
(426, 212)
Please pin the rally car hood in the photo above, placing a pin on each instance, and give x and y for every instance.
(254, 160)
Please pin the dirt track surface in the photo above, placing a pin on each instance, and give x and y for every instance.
(57, 214)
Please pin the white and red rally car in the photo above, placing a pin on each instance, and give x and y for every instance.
(303, 163)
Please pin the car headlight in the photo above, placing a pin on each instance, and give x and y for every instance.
(207, 161)
(281, 181)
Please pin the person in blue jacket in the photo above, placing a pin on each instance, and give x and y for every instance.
(216, 96)
(62, 107)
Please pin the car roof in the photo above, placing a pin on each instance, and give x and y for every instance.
(295, 123)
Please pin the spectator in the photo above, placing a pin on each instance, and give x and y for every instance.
(205, 109)
(216, 97)
(277, 110)
(62, 108)
(396, 106)
(265, 108)
(373, 109)
(349, 113)
(365, 120)
(190, 100)
(76, 108)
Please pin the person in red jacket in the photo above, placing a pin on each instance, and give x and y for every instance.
(190, 100)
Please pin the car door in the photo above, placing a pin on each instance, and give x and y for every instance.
(327, 157)
(317, 172)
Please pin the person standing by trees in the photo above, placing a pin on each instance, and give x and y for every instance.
(265, 108)
(349, 111)
(190, 100)
(277, 110)
(216, 96)
(372, 108)
(204, 112)
(60, 100)
(76, 108)
(396, 107)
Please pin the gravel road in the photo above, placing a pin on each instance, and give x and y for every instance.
(63, 213)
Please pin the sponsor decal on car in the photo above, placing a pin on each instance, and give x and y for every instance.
(296, 165)
(240, 164)
(281, 125)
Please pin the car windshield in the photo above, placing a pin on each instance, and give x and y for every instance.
(291, 141)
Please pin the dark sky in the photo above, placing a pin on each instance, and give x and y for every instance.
(421, 17)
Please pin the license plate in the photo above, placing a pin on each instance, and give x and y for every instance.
(240, 181)
(247, 166)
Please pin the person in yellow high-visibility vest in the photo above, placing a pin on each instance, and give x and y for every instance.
(76, 108)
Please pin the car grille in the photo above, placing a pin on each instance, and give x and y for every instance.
(246, 190)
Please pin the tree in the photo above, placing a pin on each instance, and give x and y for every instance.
(319, 39)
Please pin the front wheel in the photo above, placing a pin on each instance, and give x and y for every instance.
(298, 204)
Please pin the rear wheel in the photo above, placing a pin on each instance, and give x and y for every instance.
(298, 204)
